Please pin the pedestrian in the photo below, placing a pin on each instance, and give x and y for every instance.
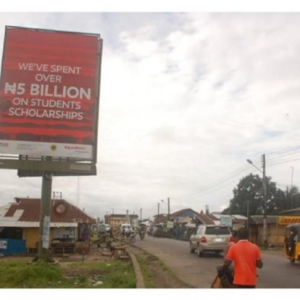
(246, 257)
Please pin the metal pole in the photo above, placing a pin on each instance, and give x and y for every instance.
(45, 216)
(168, 209)
(247, 213)
(141, 214)
(265, 202)
(158, 209)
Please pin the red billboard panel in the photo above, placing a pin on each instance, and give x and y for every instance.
(49, 93)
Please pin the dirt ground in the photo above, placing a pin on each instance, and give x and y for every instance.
(156, 275)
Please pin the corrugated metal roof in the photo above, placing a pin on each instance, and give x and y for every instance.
(28, 210)
(179, 212)
(205, 219)
(294, 210)
(258, 220)
(239, 217)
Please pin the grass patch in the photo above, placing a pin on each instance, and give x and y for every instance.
(156, 274)
(113, 274)
(148, 274)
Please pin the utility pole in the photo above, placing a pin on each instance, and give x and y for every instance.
(45, 216)
(141, 214)
(247, 213)
(158, 209)
(265, 202)
(168, 209)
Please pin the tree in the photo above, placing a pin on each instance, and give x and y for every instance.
(249, 193)
(292, 197)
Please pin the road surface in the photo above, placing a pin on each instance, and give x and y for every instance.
(199, 272)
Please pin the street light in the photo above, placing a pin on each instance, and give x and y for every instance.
(265, 197)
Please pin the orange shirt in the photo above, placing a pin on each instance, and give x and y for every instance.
(244, 254)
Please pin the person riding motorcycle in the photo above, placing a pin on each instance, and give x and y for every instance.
(142, 231)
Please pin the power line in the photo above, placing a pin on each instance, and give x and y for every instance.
(283, 155)
(283, 150)
(221, 181)
(283, 162)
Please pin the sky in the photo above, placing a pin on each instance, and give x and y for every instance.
(186, 98)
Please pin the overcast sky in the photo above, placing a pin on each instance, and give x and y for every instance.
(185, 99)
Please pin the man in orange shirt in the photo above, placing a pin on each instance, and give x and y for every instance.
(246, 257)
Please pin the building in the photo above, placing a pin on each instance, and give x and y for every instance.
(275, 231)
(289, 216)
(21, 221)
(116, 220)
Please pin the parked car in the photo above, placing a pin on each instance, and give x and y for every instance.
(107, 226)
(210, 238)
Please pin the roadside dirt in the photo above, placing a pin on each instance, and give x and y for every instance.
(155, 273)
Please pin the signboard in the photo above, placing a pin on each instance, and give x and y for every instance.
(226, 221)
(170, 224)
(3, 245)
(286, 220)
(49, 93)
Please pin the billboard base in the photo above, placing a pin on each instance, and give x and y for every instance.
(61, 167)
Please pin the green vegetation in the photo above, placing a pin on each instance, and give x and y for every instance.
(156, 274)
(249, 190)
(112, 274)
(148, 273)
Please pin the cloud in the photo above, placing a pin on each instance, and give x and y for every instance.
(185, 100)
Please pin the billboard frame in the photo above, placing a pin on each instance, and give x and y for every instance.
(28, 165)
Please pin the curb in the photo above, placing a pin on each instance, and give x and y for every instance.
(140, 284)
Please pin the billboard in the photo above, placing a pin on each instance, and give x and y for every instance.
(226, 221)
(49, 93)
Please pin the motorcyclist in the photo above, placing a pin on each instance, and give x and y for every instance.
(142, 231)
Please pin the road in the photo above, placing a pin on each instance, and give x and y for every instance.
(198, 272)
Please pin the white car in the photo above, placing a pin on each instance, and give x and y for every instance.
(210, 238)
(107, 226)
(126, 228)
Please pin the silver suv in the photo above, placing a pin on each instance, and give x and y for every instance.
(210, 238)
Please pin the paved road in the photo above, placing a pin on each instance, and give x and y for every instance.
(200, 272)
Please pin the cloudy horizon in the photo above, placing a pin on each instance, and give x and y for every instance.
(185, 99)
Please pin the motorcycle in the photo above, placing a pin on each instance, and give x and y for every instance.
(142, 235)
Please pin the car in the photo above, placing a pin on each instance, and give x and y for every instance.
(107, 226)
(127, 228)
(101, 229)
(210, 238)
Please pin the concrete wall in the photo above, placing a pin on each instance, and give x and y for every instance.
(275, 234)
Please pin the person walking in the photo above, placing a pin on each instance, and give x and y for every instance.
(246, 257)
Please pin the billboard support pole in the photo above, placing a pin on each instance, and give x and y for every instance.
(45, 215)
